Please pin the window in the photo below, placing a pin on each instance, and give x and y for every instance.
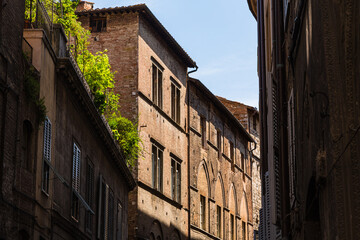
(203, 131)
(242, 160)
(46, 155)
(97, 24)
(232, 227)
(157, 168)
(106, 211)
(26, 145)
(89, 195)
(254, 122)
(244, 231)
(175, 102)
(175, 180)
(291, 152)
(218, 220)
(232, 155)
(157, 85)
(218, 134)
(202, 212)
(75, 181)
(119, 222)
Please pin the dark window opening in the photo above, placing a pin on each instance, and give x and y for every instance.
(98, 24)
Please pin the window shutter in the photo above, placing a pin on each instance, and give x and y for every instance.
(173, 175)
(76, 168)
(159, 88)
(47, 139)
(119, 222)
(177, 105)
(110, 229)
(89, 195)
(267, 207)
(291, 144)
(100, 202)
(154, 166)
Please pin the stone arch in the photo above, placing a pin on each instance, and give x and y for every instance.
(220, 190)
(175, 235)
(233, 199)
(156, 231)
(203, 182)
(244, 210)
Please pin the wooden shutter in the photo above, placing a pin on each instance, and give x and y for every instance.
(177, 105)
(89, 195)
(100, 203)
(119, 222)
(110, 228)
(47, 139)
(76, 168)
(178, 182)
(291, 144)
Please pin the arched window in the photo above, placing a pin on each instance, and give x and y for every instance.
(233, 211)
(244, 215)
(204, 192)
(156, 231)
(219, 201)
(26, 146)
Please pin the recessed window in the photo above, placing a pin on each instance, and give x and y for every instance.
(75, 181)
(202, 212)
(232, 227)
(203, 131)
(27, 145)
(89, 195)
(46, 155)
(157, 85)
(175, 180)
(232, 155)
(106, 209)
(254, 122)
(218, 220)
(218, 137)
(244, 231)
(242, 160)
(157, 168)
(175, 103)
(97, 24)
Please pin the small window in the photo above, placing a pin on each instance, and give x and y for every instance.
(157, 168)
(46, 155)
(203, 131)
(75, 181)
(27, 145)
(218, 220)
(232, 227)
(242, 160)
(232, 155)
(175, 103)
(244, 231)
(254, 122)
(218, 133)
(89, 195)
(157, 85)
(97, 24)
(106, 209)
(202, 212)
(175, 180)
(119, 222)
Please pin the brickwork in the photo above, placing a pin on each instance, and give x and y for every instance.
(133, 48)
(217, 174)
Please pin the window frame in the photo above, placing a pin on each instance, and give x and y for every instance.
(175, 180)
(202, 212)
(97, 20)
(157, 83)
(90, 194)
(219, 142)
(157, 167)
(175, 101)
(75, 181)
(218, 221)
(203, 131)
(47, 135)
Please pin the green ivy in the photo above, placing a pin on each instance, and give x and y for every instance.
(97, 72)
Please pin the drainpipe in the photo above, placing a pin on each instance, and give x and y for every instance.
(188, 133)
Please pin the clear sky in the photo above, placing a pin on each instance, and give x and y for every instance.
(220, 36)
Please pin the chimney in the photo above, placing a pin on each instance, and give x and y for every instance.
(84, 6)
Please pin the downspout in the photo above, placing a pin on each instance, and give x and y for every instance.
(188, 133)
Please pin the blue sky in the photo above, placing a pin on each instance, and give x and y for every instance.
(219, 35)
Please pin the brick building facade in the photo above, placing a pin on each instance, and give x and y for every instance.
(177, 184)
(63, 178)
(249, 117)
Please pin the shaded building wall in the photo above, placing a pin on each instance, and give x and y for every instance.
(18, 119)
(213, 176)
(318, 85)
